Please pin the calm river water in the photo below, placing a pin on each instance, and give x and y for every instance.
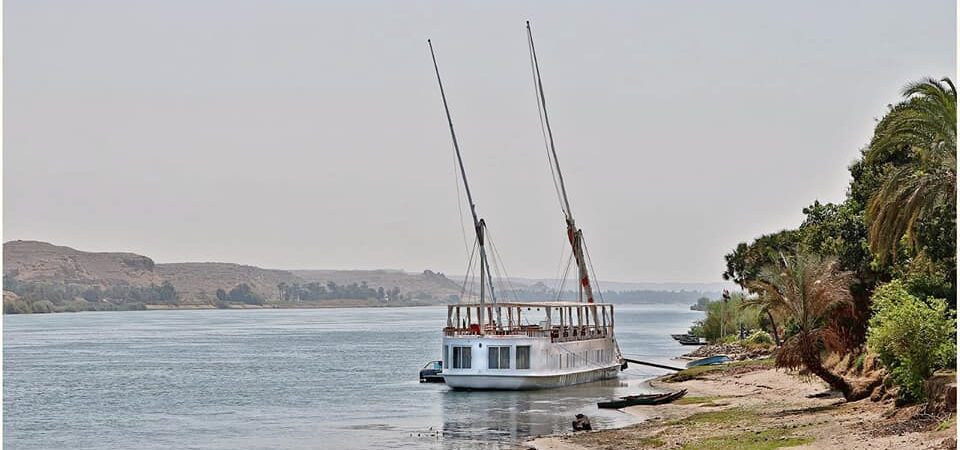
(268, 379)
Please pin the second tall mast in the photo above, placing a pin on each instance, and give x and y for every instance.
(479, 226)
(574, 234)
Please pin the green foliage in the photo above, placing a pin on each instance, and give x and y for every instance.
(729, 415)
(47, 296)
(759, 337)
(838, 230)
(913, 338)
(746, 261)
(726, 317)
(315, 291)
(925, 278)
(920, 132)
(243, 293)
(694, 400)
(947, 423)
(769, 439)
(858, 363)
(16, 307)
(898, 220)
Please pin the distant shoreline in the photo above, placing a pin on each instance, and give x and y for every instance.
(196, 307)
(331, 304)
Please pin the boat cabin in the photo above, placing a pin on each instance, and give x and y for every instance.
(560, 321)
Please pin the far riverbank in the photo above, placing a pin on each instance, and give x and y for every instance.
(105, 306)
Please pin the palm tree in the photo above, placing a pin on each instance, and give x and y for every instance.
(924, 127)
(807, 289)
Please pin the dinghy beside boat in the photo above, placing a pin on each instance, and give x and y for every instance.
(432, 372)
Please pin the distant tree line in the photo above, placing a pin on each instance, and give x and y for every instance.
(295, 292)
(631, 296)
(45, 296)
(242, 293)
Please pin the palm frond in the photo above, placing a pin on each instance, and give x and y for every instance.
(923, 126)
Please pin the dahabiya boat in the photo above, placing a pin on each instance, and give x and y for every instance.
(491, 344)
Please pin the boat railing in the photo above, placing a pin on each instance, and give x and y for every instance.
(556, 334)
(559, 321)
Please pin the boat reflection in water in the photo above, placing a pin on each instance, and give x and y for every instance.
(502, 419)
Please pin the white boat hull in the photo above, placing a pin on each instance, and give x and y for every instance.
(527, 382)
(549, 364)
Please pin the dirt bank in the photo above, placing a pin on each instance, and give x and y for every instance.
(761, 408)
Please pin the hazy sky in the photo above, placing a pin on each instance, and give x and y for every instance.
(310, 134)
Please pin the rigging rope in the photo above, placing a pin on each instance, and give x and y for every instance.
(543, 130)
(502, 274)
(469, 273)
(556, 273)
(563, 279)
(596, 281)
(456, 178)
(495, 268)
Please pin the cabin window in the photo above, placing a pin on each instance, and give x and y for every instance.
(523, 357)
(461, 357)
(498, 357)
(446, 356)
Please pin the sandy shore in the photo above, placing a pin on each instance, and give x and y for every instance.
(762, 408)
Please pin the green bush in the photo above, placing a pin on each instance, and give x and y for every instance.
(858, 363)
(730, 314)
(759, 337)
(913, 338)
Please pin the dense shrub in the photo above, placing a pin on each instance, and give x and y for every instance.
(913, 338)
(759, 337)
(731, 314)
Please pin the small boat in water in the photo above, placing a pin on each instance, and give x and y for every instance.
(688, 339)
(710, 361)
(432, 372)
(644, 399)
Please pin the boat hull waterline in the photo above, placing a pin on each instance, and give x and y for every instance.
(528, 382)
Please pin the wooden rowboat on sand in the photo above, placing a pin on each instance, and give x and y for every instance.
(644, 399)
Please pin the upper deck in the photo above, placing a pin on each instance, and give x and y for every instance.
(560, 321)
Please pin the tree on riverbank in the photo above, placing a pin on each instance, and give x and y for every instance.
(898, 222)
(807, 289)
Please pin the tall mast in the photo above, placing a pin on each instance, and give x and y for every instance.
(574, 235)
(479, 225)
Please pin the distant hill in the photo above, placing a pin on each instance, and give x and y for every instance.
(42, 277)
(55, 278)
(41, 261)
(606, 285)
(425, 285)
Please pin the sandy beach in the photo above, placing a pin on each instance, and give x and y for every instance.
(758, 407)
